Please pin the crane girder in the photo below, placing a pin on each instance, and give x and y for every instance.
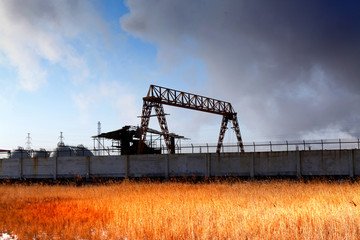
(188, 100)
(157, 96)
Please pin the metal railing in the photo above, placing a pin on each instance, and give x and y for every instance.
(304, 145)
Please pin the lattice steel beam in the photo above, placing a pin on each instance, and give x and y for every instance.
(188, 100)
(159, 95)
(223, 128)
(163, 125)
(145, 118)
(237, 132)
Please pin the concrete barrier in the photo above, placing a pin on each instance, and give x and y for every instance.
(108, 166)
(275, 164)
(249, 164)
(230, 164)
(187, 165)
(146, 165)
(327, 162)
(10, 168)
(38, 167)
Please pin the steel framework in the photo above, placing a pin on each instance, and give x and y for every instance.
(157, 96)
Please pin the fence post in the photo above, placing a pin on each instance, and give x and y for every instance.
(207, 147)
(252, 163)
(254, 146)
(21, 166)
(298, 163)
(287, 146)
(207, 165)
(339, 143)
(270, 147)
(322, 145)
(304, 145)
(192, 148)
(167, 166)
(351, 163)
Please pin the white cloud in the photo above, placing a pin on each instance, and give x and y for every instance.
(36, 31)
(105, 93)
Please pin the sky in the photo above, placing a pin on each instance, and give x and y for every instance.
(291, 69)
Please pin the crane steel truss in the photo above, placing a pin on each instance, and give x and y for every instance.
(157, 96)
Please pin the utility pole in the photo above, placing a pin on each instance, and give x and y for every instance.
(28, 142)
(61, 143)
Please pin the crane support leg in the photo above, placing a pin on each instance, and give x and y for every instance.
(157, 96)
(145, 118)
(238, 134)
(223, 128)
(163, 124)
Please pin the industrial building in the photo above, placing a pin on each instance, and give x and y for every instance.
(136, 151)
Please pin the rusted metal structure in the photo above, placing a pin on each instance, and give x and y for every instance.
(157, 96)
(126, 140)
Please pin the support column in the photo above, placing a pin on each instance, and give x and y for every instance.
(351, 163)
(237, 131)
(223, 128)
(55, 169)
(21, 168)
(252, 168)
(298, 163)
(167, 166)
(145, 118)
(159, 109)
(208, 165)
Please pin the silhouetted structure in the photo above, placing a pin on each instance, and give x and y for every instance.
(157, 96)
(127, 140)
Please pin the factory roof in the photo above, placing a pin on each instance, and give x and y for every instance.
(117, 134)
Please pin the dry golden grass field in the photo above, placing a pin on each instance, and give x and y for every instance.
(138, 210)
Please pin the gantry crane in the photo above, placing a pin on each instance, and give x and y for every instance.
(157, 96)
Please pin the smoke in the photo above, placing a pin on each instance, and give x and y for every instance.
(290, 68)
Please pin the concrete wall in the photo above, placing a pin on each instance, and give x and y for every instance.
(356, 162)
(10, 168)
(249, 164)
(110, 166)
(230, 164)
(275, 163)
(188, 165)
(38, 167)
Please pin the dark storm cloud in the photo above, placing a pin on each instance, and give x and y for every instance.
(290, 68)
